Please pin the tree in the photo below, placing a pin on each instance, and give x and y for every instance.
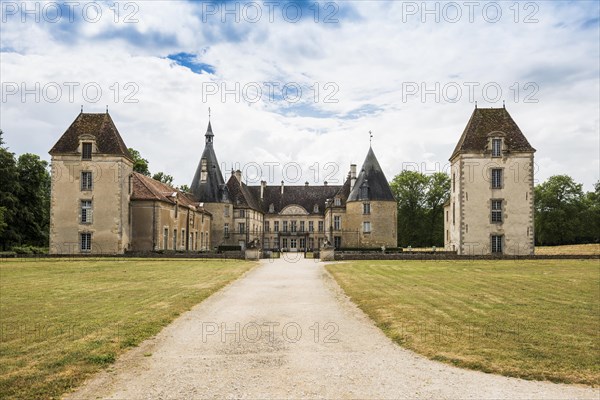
(184, 188)
(9, 201)
(164, 178)
(590, 218)
(559, 203)
(34, 199)
(140, 164)
(438, 192)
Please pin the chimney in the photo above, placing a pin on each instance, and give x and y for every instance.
(281, 187)
(238, 175)
(352, 175)
(325, 183)
(306, 184)
(263, 184)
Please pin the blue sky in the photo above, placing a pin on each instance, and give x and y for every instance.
(304, 82)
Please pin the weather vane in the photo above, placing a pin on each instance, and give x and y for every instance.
(209, 113)
(370, 137)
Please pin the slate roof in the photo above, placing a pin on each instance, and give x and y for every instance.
(372, 175)
(101, 127)
(210, 191)
(241, 196)
(146, 188)
(484, 121)
(305, 196)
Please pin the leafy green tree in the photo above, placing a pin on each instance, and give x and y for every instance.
(9, 201)
(184, 188)
(3, 224)
(164, 178)
(438, 192)
(140, 164)
(590, 219)
(559, 204)
(34, 199)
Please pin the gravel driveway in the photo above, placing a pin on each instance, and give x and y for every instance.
(286, 330)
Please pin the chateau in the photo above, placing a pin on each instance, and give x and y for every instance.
(100, 206)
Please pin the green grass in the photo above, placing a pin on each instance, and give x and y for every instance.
(528, 319)
(62, 320)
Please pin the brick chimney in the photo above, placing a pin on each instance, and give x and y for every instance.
(238, 175)
(263, 185)
(352, 175)
(281, 187)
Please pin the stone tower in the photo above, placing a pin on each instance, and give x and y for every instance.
(209, 188)
(490, 210)
(91, 168)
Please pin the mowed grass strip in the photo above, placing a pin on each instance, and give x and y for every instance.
(62, 320)
(528, 319)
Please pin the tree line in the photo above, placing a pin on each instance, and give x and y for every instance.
(564, 213)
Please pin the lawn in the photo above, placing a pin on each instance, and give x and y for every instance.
(528, 319)
(62, 320)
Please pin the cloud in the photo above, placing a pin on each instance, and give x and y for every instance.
(362, 66)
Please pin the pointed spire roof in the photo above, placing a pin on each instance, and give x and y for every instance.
(485, 122)
(213, 188)
(371, 176)
(99, 126)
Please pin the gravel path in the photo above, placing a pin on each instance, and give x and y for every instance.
(286, 330)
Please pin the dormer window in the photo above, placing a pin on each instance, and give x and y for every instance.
(337, 202)
(316, 208)
(364, 192)
(496, 147)
(203, 170)
(86, 151)
(271, 208)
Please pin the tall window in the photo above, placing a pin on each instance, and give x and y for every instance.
(311, 226)
(453, 213)
(496, 147)
(242, 227)
(337, 202)
(267, 226)
(86, 151)
(366, 227)
(242, 213)
(226, 230)
(337, 242)
(284, 243)
(302, 243)
(175, 239)
(496, 210)
(497, 244)
(86, 211)
(497, 178)
(86, 180)
(366, 208)
(276, 226)
(85, 242)
(294, 223)
(321, 226)
(337, 223)
(183, 237)
(302, 227)
(203, 170)
(285, 226)
(165, 238)
(293, 243)
(226, 211)
(316, 208)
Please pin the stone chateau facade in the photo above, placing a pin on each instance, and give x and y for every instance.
(100, 206)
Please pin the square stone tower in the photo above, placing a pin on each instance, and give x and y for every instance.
(91, 169)
(490, 210)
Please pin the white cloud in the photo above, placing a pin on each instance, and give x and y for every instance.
(371, 55)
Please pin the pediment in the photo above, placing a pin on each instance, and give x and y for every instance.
(294, 209)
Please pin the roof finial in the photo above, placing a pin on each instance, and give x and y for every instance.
(107, 108)
(476, 104)
(503, 104)
(370, 138)
(208, 114)
(82, 109)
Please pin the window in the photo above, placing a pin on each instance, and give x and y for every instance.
(276, 226)
(316, 208)
(285, 226)
(453, 181)
(496, 178)
(271, 208)
(226, 230)
(453, 213)
(302, 243)
(337, 202)
(496, 147)
(321, 226)
(497, 244)
(165, 238)
(337, 242)
(267, 226)
(311, 226)
(242, 213)
(203, 170)
(183, 237)
(337, 223)
(86, 151)
(293, 243)
(447, 216)
(284, 243)
(311, 243)
(447, 235)
(86, 180)
(226, 211)
(302, 226)
(294, 223)
(364, 192)
(366, 227)
(366, 208)
(85, 242)
(496, 210)
(174, 240)
(242, 227)
(86, 211)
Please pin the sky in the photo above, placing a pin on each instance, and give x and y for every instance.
(297, 88)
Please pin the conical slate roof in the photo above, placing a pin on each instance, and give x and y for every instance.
(486, 121)
(213, 190)
(372, 177)
(101, 127)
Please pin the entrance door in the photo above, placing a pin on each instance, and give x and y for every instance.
(293, 244)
